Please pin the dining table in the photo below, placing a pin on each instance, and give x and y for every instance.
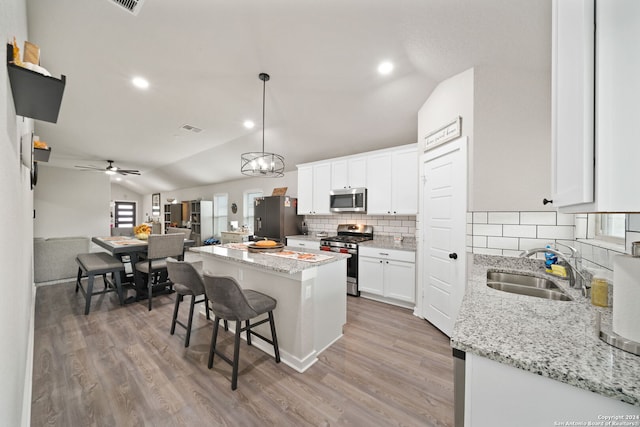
(129, 246)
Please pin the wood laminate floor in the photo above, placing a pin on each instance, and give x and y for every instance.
(119, 366)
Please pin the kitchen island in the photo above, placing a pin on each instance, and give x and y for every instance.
(311, 295)
(534, 362)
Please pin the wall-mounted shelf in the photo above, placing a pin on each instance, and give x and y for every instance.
(41, 154)
(34, 95)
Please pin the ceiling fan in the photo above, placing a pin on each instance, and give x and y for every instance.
(111, 169)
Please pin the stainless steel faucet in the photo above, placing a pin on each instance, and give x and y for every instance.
(574, 271)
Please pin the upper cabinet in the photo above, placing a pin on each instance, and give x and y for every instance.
(349, 173)
(392, 182)
(314, 184)
(389, 175)
(595, 85)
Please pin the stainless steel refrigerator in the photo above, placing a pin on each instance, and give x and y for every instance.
(276, 217)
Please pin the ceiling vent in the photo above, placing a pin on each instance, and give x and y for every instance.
(191, 128)
(132, 6)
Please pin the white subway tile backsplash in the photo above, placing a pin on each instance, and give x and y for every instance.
(538, 218)
(487, 229)
(519, 231)
(479, 241)
(503, 218)
(565, 219)
(526, 244)
(502, 242)
(469, 217)
(556, 232)
(631, 237)
(507, 252)
(581, 228)
(480, 217)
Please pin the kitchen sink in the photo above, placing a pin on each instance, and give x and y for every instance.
(521, 279)
(526, 285)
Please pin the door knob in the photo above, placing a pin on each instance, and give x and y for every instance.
(453, 255)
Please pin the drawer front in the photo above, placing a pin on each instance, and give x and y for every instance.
(391, 254)
(304, 244)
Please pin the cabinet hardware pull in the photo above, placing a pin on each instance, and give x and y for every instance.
(453, 255)
(546, 201)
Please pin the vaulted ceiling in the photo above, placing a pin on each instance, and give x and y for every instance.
(202, 59)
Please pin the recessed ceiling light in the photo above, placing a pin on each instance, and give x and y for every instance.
(140, 83)
(248, 124)
(385, 67)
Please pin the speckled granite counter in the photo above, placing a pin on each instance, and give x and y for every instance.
(269, 262)
(387, 242)
(555, 339)
(309, 237)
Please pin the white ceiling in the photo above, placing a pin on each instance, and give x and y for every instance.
(203, 57)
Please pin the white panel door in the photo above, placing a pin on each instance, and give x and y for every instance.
(444, 198)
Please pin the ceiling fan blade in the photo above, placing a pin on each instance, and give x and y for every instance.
(128, 172)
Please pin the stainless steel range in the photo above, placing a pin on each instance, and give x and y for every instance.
(346, 241)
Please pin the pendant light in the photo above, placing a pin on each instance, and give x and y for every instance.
(261, 163)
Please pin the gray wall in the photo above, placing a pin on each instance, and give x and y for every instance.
(16, 252)
(71, 203)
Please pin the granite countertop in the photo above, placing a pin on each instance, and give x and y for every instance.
(310, 237)
(387, 242)
(555, 339)
(269, 262)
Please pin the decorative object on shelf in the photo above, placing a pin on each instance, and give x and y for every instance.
(258, 163)
(142, 231)
(280, 191)
(35, 95)
(111, 169)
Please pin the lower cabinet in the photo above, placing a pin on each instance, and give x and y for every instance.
(387, 273)
(303, 244)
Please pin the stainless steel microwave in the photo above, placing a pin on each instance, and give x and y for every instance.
(348, 200)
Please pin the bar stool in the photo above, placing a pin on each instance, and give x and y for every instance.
(230, 302)
(98, 263)
(187, 280)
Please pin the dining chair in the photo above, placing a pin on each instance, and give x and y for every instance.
(160, 247)
(187, 280)
(230, 302)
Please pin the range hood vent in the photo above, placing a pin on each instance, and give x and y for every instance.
(132, 6)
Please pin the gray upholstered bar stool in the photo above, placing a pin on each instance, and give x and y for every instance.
(98, 264)
(187, 280)
(160, 247)
(230, 302)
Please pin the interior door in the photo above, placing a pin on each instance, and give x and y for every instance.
(444, 210)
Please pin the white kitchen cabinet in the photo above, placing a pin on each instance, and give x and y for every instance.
(392, 182)
(387, 273)
(500, 395)
(595, 173)
(349, 173)
(314, 184)
(303, 243)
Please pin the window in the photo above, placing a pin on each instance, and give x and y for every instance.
(125, 214)
(610, 227)
(220, 213)
(249, 197)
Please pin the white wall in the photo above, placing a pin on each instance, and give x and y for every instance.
(451, 98)
(512, 139)
(71, 203)
(506, 113)
(16, 251)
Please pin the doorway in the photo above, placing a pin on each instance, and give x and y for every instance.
(443, 210)
(125, 214)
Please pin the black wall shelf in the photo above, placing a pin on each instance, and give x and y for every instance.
(41, 154)
(34, 95)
